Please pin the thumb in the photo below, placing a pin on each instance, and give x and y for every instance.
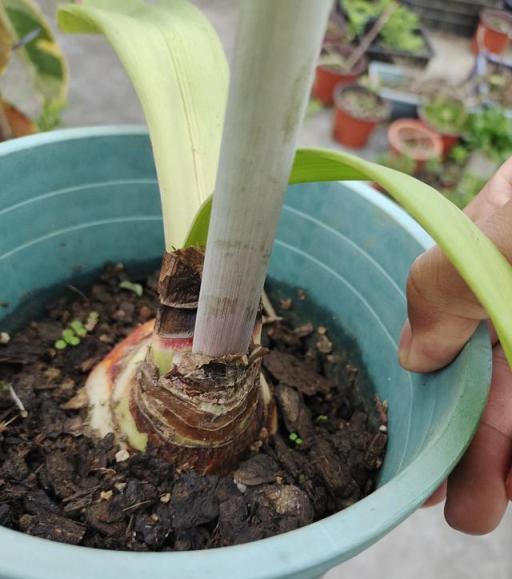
(443, 312)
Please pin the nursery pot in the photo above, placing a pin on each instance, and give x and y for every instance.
(328, 77)
(402, 133)
(347, 246)
(490, 37)
(351, 129)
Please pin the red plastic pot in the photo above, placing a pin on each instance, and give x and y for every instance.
(487, 36)
(328, 77)
(449, 141)
(403, 132)
(351, 130)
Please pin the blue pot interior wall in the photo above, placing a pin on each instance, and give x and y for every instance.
(86, 201)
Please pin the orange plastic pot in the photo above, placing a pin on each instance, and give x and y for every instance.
(487, 36)
(349, 129)
(327, 78)
(411, 138)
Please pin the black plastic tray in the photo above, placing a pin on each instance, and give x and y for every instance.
(378, 52)
(459, 17)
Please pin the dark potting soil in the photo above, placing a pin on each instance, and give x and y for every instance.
(57, 483)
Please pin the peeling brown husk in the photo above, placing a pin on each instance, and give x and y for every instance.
(204, 412)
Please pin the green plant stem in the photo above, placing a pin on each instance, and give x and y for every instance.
(277, 49)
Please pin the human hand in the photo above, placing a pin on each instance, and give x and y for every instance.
(443, 314)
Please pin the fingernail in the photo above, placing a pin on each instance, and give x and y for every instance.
(405, 343)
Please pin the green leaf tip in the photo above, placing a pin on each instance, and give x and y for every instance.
(136, 288)
(60, 345)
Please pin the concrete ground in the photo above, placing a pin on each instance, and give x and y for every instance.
(423, 547)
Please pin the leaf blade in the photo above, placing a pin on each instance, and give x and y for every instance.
(477, 260)
(178, 68)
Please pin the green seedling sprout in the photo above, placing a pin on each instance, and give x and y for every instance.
(136, 288)
(76, 330)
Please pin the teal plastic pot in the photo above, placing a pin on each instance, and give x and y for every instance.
(71, 200)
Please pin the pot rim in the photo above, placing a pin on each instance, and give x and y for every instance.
(417, 125)
(313, 547)
(357, 70)
(487, 13)
(339, 91)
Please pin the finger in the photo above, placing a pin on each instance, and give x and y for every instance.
(492, 333)
(477, 491)
(509, 485)
(496, 193)
(438, 496)
(443, 312)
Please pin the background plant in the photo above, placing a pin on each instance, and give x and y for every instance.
(400, 32)
(445, 113)
(25, 33)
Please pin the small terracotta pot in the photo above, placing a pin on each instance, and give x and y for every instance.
(403, 132)
(328, 77)
(487, 37)
(350, 130)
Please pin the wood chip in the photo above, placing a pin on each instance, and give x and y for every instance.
(79, 400)
(289, 370)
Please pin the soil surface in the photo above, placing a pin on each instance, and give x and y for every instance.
(57, 483)
(363, 104)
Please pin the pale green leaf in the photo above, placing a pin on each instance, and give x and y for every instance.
(178, 68)
(41, 52)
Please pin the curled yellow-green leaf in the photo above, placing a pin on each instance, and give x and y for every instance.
(475, 257)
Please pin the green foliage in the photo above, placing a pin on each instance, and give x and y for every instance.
(294, 437)
(400, 32)
(490, 132)
(75, 330)
(459, 154)
(136, 288)
(78, 328)
(401, 163)
(445, 113)
(22, 24)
